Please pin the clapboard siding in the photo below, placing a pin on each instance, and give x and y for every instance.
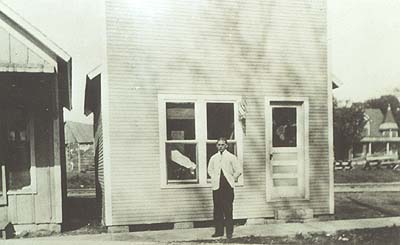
(98, 134)
(98, 144)
(253, 49)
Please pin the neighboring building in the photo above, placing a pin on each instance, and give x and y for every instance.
(180, 74)
(79, 146)
(381, 134)
(35, 86)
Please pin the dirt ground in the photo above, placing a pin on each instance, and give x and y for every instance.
(383, 236)
(360, 205)
(82, 217)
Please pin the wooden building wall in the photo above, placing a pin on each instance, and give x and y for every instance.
(254, 49)
(42, 203)
(99, 158)
(43, 206)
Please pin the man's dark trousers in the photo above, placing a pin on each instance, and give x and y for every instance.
(223, 207)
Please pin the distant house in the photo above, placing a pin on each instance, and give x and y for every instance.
(180, 74)
(35, 86)
(380, 135)
(79, 146)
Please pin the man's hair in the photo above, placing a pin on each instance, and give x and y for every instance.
(222, 139)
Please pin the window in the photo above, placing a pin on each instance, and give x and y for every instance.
(189, 128)
(19, 160)
(181, 147)
(220, 123)
(284, 127)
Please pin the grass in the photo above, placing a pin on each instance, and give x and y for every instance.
(359, 175)
(367, 205)
(76, 180)
(348, 206)
(381, 236)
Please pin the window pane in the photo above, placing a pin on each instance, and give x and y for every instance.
(285, 182)
(181, 162)
(212, 149)
(220, 121)
(284, 127)
(180, 121)
(284, 169)
(18, 158)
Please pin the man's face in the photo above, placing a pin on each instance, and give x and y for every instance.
(221, 146)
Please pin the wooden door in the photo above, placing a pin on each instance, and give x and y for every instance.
(286, 143)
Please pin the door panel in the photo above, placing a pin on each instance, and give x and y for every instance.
(286, 147)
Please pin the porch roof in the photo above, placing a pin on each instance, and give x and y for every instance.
(369, 139)
(39, 47)
(76, 132)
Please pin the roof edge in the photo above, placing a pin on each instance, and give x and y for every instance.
(95, 72)
(33, 32)
(90, 77)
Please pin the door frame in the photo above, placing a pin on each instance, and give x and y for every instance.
(268, 145)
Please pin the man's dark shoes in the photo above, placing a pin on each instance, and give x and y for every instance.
(229, 236)
(217, 235)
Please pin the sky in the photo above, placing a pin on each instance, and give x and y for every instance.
(75, 26)
(364, 37)
(365, 42)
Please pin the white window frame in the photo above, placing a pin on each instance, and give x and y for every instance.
(268, 139)
(200, 132)
(31, 189)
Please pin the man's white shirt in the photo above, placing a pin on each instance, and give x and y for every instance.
(230, 166)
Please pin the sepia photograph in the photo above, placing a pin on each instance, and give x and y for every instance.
(200, 122)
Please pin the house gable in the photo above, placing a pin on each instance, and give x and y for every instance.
(25, 49)
(375, 118)
(17, 54)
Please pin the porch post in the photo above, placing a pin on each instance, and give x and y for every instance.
(364, 149)
(56, 171)
(79, 158)
(387, 148)
(369, 148)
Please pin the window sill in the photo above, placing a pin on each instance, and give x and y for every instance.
(24, 191)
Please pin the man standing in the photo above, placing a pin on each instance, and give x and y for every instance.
(224, 170)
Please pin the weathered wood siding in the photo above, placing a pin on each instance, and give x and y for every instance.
(99, 159)
(16, 56)
(248, 48)
(41, 207)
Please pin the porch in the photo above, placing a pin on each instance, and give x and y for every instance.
(35, 82)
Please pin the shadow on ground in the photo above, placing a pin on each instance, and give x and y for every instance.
(82, 215)
(361, 205)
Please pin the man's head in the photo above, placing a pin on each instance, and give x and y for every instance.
(222, 144)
